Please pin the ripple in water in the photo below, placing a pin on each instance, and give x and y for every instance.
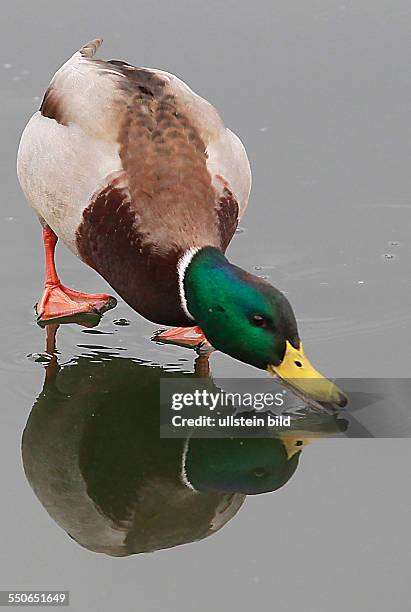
(122, 322)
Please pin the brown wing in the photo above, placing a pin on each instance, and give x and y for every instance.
(165, 159)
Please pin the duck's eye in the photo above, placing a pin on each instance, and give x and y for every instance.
(259, 320)
(298, 364)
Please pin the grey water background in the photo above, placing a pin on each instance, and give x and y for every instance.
(320, 93)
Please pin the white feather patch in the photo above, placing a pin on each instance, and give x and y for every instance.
(183, 475)
(182, 266)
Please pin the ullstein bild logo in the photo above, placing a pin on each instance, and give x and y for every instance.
(269, 420)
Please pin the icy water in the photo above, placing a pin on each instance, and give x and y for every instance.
(320, 93)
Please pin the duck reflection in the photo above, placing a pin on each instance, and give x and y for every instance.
(93, 456)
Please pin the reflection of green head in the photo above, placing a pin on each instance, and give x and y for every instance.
(249, 465)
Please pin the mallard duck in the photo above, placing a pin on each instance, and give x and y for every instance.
(140, 178)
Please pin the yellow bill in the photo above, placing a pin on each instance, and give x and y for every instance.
(296, 372)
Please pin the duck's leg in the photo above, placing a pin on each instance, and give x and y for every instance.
(202, 365)
(59, 304)
(52, 368)
(188, 337)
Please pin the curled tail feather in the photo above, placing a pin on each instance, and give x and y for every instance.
(90, 48)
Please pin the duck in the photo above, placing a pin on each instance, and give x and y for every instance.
(139, 177)
(93, 457)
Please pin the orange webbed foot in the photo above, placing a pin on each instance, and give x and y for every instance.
(59, 304)
(187, 337)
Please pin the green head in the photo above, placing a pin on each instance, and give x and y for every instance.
(246, 317)
(249, 465)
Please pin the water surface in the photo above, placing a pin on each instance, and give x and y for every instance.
(320, 94)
